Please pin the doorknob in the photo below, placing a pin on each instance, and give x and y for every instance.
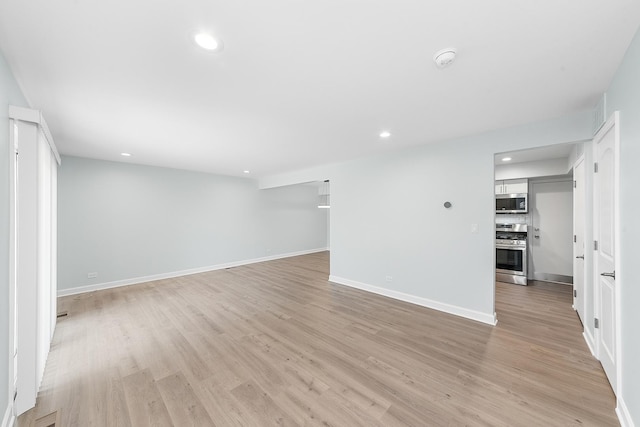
(613, 275)
(580, 257)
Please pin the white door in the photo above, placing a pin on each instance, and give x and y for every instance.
(551, 242)
(605, 254)
(579, 187)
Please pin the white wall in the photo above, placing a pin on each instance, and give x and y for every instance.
(624, 95)
(549, 167)
(388, 219)
(127, 221)
(9, 94)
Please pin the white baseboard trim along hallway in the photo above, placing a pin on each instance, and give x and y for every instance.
(623, 414)
(161, 276)
(8, 420)
(424, 302)
(588, 338)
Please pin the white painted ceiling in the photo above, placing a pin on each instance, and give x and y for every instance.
(302, 83)
(558, 151)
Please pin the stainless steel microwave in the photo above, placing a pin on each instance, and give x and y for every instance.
(512, 203)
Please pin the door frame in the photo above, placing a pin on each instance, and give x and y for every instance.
(585, 273)
(13, 149)
(612, 122)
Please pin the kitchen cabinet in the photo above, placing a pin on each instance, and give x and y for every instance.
(512, 186)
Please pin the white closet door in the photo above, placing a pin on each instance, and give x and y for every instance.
(33, 252)
(43, 309)
(26, 266)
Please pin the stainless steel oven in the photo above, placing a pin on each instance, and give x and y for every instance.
(511, 253)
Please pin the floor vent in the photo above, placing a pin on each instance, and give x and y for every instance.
(50, 420)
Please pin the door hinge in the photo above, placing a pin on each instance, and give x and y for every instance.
(575, 293)
(595, 167)
(575, 238)
(596, 323)
(595, 245)
(575, 184)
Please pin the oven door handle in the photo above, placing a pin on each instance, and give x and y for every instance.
(515, 248)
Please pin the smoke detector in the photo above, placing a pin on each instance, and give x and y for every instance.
(444, 57)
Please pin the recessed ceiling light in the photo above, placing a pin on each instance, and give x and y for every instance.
(385, 134)
(506, 159)
(125, 154)
(208, 42)
(246, 171)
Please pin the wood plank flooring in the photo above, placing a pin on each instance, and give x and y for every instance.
(276, 344)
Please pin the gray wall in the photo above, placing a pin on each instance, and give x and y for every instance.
(127, 221)
(10, 94)
(624, 95)
(388, 219)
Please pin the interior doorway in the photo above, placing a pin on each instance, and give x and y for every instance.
(537, 185)
(547, 221)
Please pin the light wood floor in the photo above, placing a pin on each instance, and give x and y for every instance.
(276, 344)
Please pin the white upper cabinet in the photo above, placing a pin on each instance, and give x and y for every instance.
(512, 186)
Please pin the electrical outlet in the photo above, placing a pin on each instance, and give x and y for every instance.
(388, 279)
(92, 275)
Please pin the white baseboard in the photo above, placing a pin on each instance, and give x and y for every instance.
(590, 342)
(424, 302)
(621, 409)
(8, 420)
(623, 414)
(136, 280)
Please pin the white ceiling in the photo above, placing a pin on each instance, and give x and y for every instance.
(302, 83)
(559, 151)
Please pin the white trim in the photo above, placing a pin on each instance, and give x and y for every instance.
(617, 233)
(172, 274)
(588, 338)
(585, 269)
(35, 116)
(623, 414)
(12, 273)
(424, 302)
(9, 419)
